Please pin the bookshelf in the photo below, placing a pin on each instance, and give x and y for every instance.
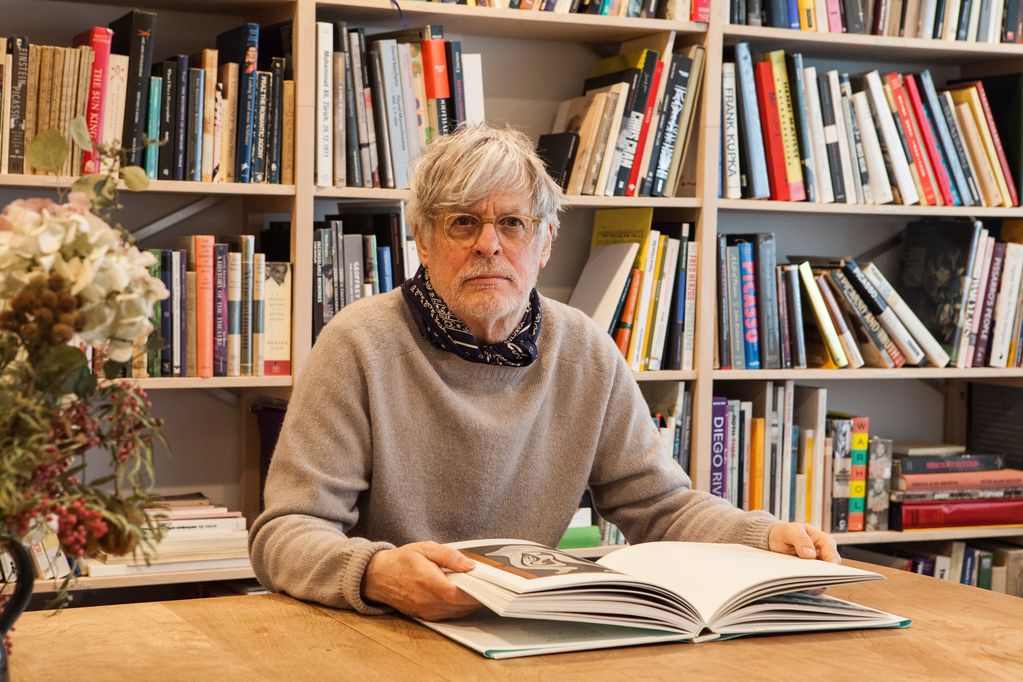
(524, 88)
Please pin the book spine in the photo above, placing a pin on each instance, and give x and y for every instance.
(794, 300)
(802, 113)
(907, 515)
(353, 160)
(623, 328)
(981, 353)
(288, 133)
(153, 117)
(177, 338)
(819, 142)
(19, 49)
(858, 472)
(208, 62)
(167, 315)
(168, 117)
(831, 137)
(324, 104)
(750, 324)
(770, 124)
(242, 47)
(951, 480)
(879, 473)
(275, 120)
(204, 278)
(724, 327)
(845, 335)
(734, 308)
(234, 313)
(787, 122)
(196, 96)
(98, 38)
(898, 332)
(821, 315)
(277, 317)
(189, 317)
(247, 248)
(632, 124)
(220, 310)
(752, 140)
(949, 193)
(632, 187)
(729, 136)
(915, 156)
(227, 79)
(959, 152)
(689, 337)
(767, 301)
(258, 313)
(996, 142)
(874, 329)
(931, 464)
(785, 338)
(260, 127)
(719, 448)
(133, 36)
(390, 72)
(840, 432)
(181, 122)
(889, 136)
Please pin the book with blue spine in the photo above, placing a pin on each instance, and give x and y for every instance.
(241, 45)
(753, 142)
(180, 135)
(384, 265)
(260, 137)
(750, 324)
(153, 118)
(196, 93)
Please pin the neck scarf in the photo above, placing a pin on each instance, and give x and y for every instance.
(445, 331)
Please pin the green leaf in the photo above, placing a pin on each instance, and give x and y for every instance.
(89, 185)
(134, 178)
(80, 134)
(115, 370)
(47, 152)
(57, 370)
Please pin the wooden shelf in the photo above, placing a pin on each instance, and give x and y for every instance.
(508, 23)
(163, 383)
(666, 375)
(964, 533)
(871, 210)
(158, 186)
(868, 373)
(112, 581)
(860, 47)
(362, 193)
(580, 201)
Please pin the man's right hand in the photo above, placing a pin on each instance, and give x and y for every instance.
(411, 579)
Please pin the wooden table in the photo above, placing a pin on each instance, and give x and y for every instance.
(957, 633)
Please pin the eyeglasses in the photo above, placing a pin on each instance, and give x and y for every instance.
(513, 230)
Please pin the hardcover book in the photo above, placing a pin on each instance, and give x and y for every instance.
(546, 601)
(133, 36)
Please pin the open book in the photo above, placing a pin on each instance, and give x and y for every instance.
(646, 593)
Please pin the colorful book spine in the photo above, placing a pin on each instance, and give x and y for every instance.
(234, 313)
(750, 324)
(840, 433)
(787, 121)
(758, 186)
(220, 310)
(260, 127)
(858, 472)
(770, 124)
(18, 48)
(153, 117)
(193, 158)
(908, 515)
(719, 447)
(879, 480)
(258, 313)
(98, 38)
(241, 46)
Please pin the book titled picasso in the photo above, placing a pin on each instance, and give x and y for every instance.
(542, 601)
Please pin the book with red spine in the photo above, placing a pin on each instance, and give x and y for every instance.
(894, 81)
(770, 124)
(700, 11)
(930, 143)
(995, 138)
(438, 85)
(987, 480)
(632, 186)
(98, 38)
(201, 251)
(941, 513)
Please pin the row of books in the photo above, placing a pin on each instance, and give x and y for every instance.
(831, 313)
(966, 280)
(679, 10)
(995, 565)
(381, 99)
(362, 250)
(627, 135)
(981, 21)
(639, 283)
(220, 115)
(228, 314)
(790, 133)
(948, 487)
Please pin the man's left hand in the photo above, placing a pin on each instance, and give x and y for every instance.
(804, 541)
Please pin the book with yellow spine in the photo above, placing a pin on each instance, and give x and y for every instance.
(970, 97)
(821, 315)
(789, 140)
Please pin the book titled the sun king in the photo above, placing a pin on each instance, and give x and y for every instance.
(542, 601)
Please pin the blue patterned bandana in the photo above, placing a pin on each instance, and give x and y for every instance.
(445, 331)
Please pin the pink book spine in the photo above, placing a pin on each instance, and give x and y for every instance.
(834, 16)
(98, 38)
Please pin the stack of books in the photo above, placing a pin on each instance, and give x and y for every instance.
(965, 20)
(224, 114)
(944, 486)
(675, 10)
(808, 136)
(639, 283)
(627, 135)
(381, 99)
(198, 535)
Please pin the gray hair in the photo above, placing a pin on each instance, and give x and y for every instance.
(462, 169)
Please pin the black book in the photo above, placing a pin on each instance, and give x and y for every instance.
(241, 46)
(558, 153)
(1012, 27)
(18, 49)
(318, 229)
(1005, 95)
(275, 122)
(793, 298)
(275, 43)
(801, 110)
(456, 82)
(964, 18)
(180, 140)
(386, 222)
(778, 13)
(724, 328)
(260, 127)
(168, 70)
(666, 137)
(933, 464)
(834, 160)
(353, 162)
(854, 17)
(133, 36)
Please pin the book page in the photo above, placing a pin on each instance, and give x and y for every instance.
(715, 578)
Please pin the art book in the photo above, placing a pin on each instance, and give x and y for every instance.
(542, 601)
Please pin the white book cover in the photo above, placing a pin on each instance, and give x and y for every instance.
(234, 306)
(936, 355)
(472, 78)
(810, 411)
(1005, 304)
(892, 143)
(845, 146)
(974, 21)
(602, 281)
(663, 312)
(689, 329)
(324, 104)
(951, 24)
(859, 161)
(113, 105)
(822, 168)
(413, 137)
(176, 312)
(395, 111)
(550, 601)
(730, 131)
(966, 314)
(96, 568)
(995, 25)
(880, 184)
(927, 12)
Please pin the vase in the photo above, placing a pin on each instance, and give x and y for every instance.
(26, 577)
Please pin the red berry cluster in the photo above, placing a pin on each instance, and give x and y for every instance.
(79, 527)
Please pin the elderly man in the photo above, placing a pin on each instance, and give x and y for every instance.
(465, 406)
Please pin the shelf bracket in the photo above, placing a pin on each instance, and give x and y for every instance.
(175, 217)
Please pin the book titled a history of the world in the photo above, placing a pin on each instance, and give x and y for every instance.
(540, 600)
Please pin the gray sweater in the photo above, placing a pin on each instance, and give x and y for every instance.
(388, 440)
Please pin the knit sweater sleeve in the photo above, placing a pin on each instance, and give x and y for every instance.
(299, 544)
(645, 493)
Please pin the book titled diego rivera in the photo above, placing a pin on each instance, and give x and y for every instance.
(542, 601)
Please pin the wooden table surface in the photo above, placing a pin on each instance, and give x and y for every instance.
(958, 632)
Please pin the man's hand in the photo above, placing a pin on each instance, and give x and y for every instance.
(804, 541)
(411, 579)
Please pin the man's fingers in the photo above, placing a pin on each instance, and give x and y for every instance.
(446, 557)
(801, 542)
